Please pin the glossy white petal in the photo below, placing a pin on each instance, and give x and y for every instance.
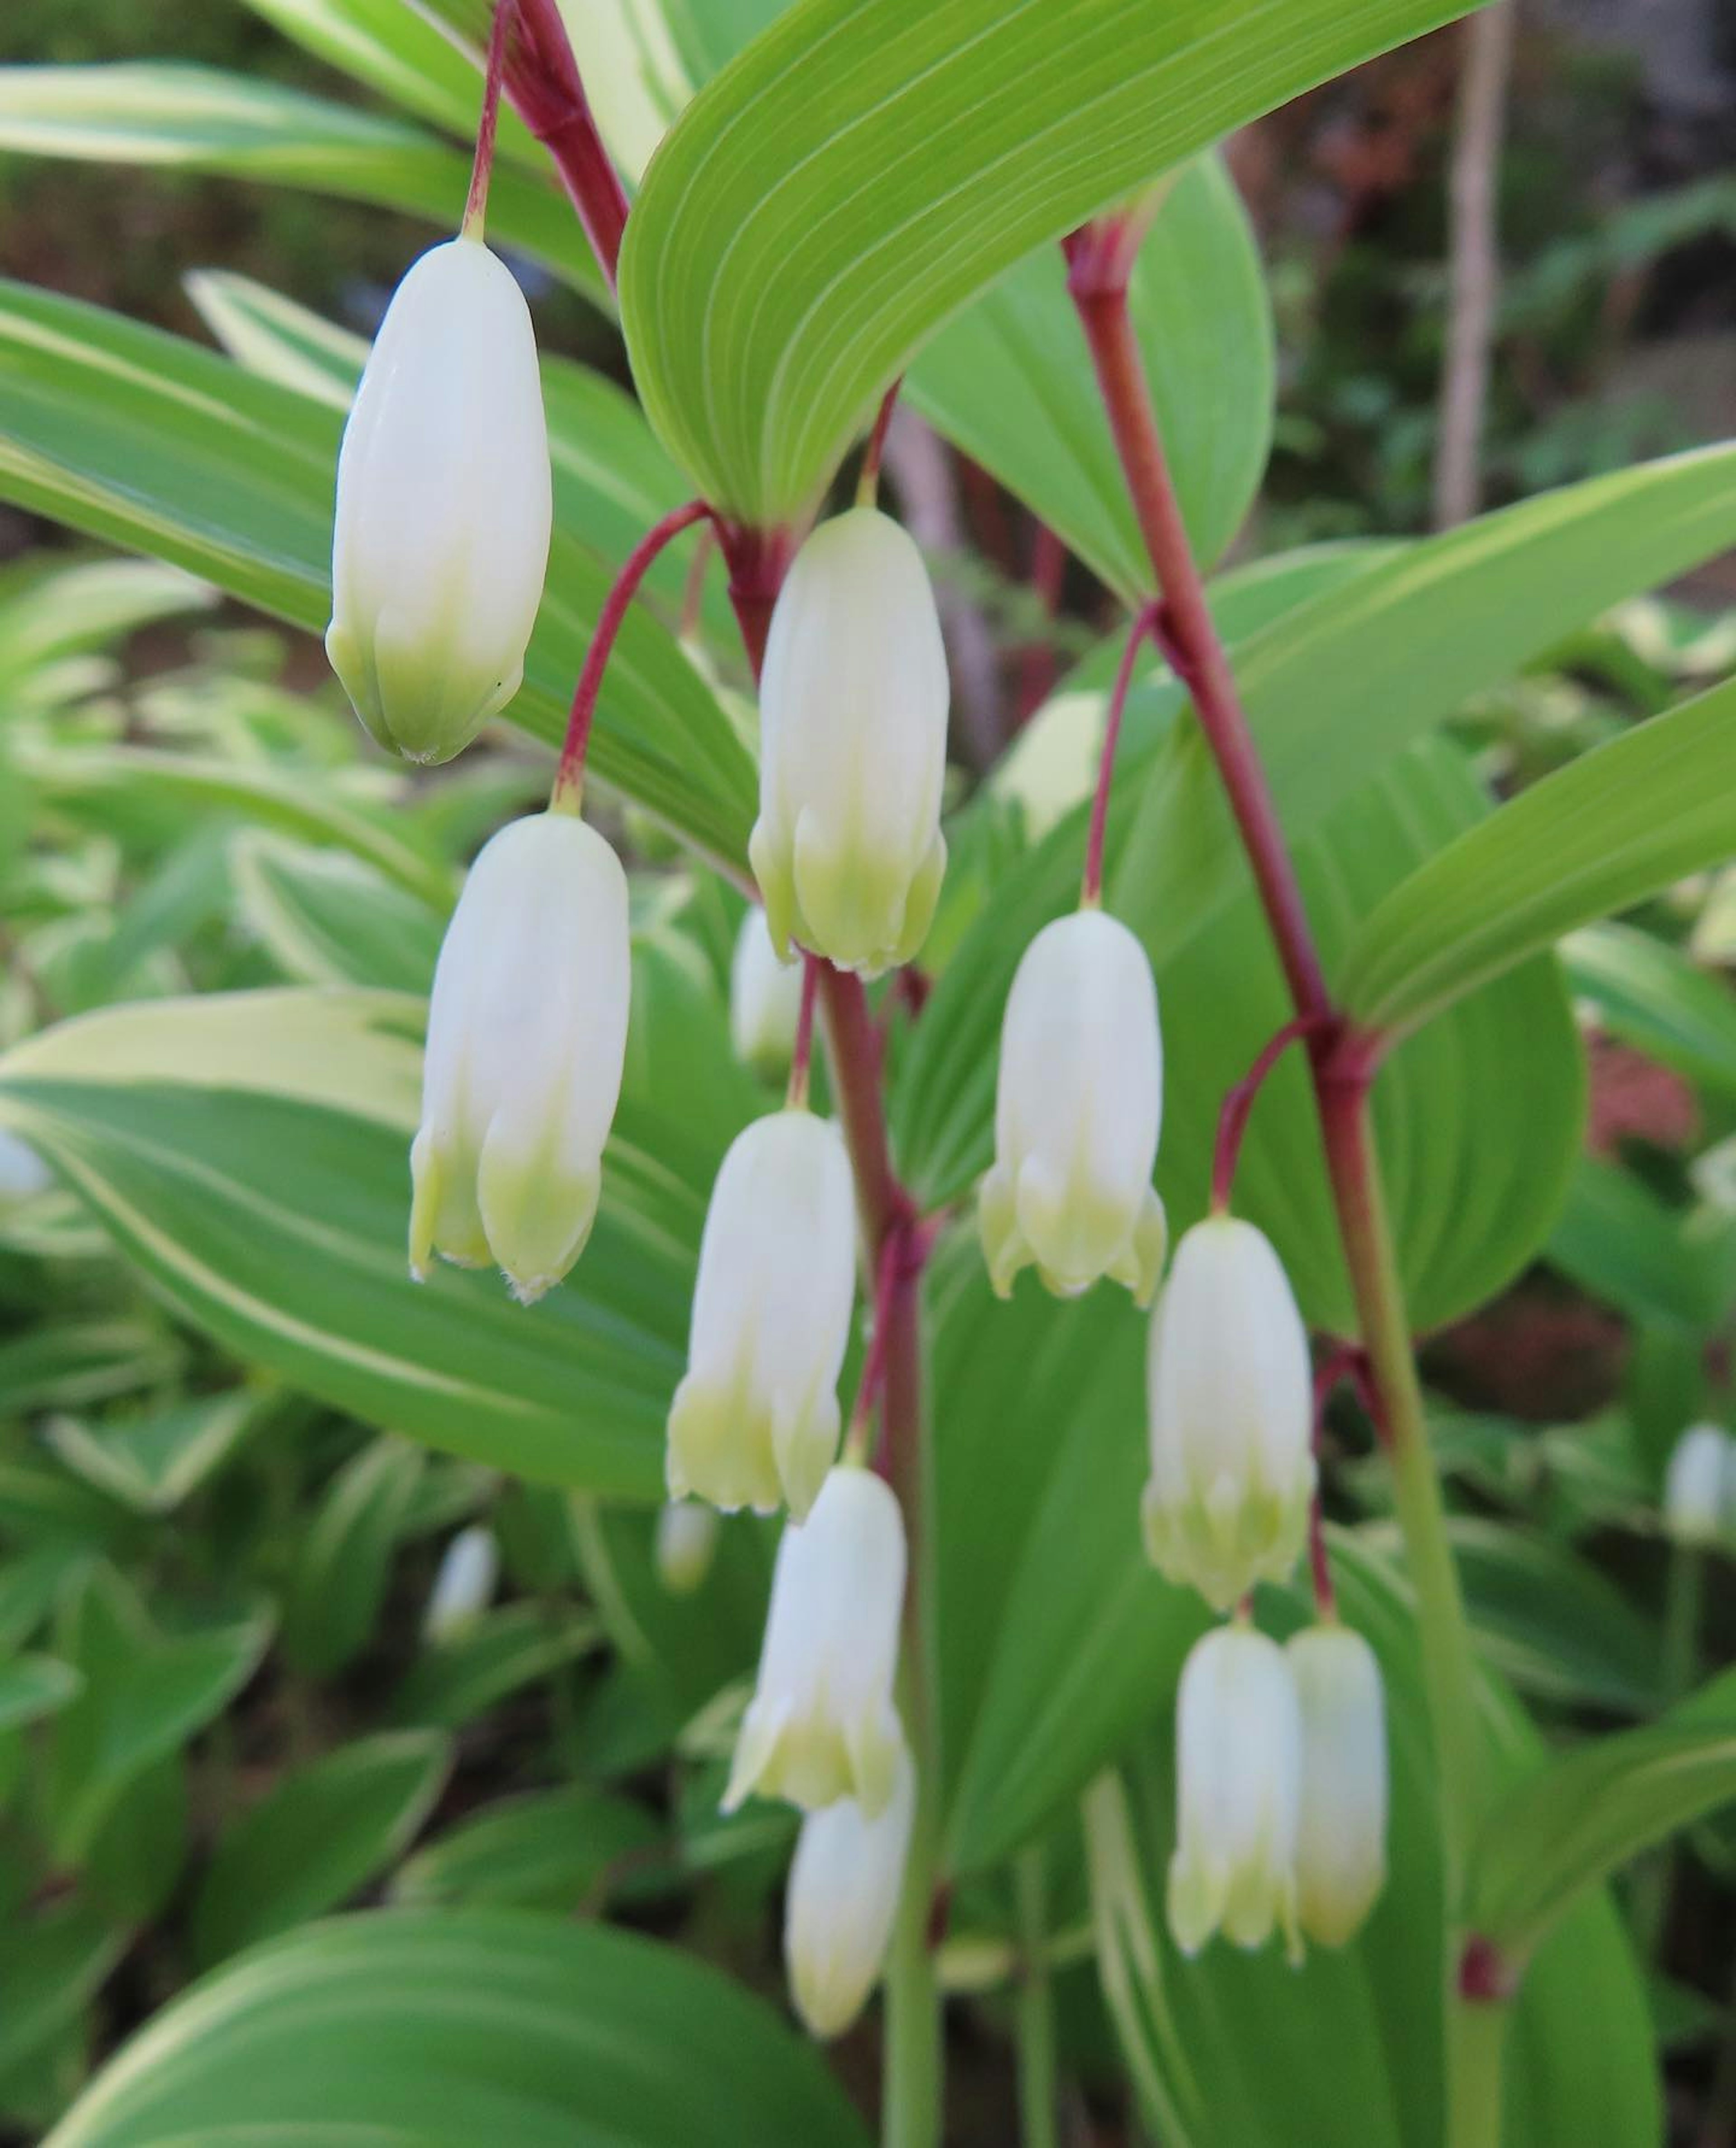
(853, 700)
(1700, 1487)
(1230, 1399)
(821, 1725)
(1077, 1115)
(1340, 1864)
(686, 1544)
(464, 1586)
(842, 1901)
(527, 1032)
(1238, 1771)
(440, 540)
(764, 999)
(755, 1421)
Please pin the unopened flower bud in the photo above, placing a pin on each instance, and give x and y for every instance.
(1238, 1765)
(755, 1421)
(23, 1172)
(764, 999)
(527, 1031)
(686, 1545)
(444, 502)
(1077, 1115)
(1699, 1484)
(853, 699)
(841, 1903)
(821, 1725)
(464, 1585)
(1341, 1855)
(1229, 1396)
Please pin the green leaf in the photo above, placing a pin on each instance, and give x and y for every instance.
(51, 1968)
(153, 443)
(455, 1681)
(316, 1837)
(31, 1687)
(69, 1364)
(1347, 2053)
(248, 1152)
(868, 166)
(462, 2026)
(327, 918)
(551, 1850)
(152, 1461)
(1580, 1817)
(344, 1561)
(1654, 997)
(1595, 837)
(1619, 1241)
(1009, 382)
(144, 1695)
(45, 616)
(198, 119)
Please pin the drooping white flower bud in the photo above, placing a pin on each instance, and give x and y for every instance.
(444, 502)
(1341, 1854)
(755, 1421)
(764, 999)
(1077, 1115)
(853, 700)
(821, 1725)
(464, 1585)
(1238, 1776)
(686, 1544)
(527, 1031)
(1230, 1397)
(842, 1901)
(1699, 1486)
(23, 1172)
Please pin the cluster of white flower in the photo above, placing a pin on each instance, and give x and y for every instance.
(441, 546)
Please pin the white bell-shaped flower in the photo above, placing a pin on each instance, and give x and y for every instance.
(1077, 1115)
(842, 1902)
(686, 1544)
(527, 1031)
(1341, 1854)
(1230, 1398)
(764, 999)
(755, 1421)
(853, 700)
(1238, 1795)
(1699, 1486)
(464, 1586)
(821, 1725)
(23, 1172)
(444, 504)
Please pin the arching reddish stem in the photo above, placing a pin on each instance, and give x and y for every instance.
(1091, 889)
(1239, 1103)
(801, 1057)
(868, 477)
(543, 83)
(482, 168)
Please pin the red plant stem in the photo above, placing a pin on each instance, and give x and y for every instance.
(693, 596)
(804, 1050)
(868, 477)
(1238, 1106)
(482, 168)
(886, 1279)
(1184, 628)
(758, 561)
(1091, 889)
(546, 90)
(570, 772)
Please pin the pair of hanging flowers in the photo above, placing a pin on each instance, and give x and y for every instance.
(442, 522)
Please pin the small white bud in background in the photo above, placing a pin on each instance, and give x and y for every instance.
(764, 999)
(527, 1031)
(821, 1725)
(23, 1172)
(1700, 1487)
(842, 1901)
(440, 541)
(686, 1545)
(853, 700)
(1230, 1395)
(1238, 1775)
(1341, 1856)
(755, 1421)
(464, 1586)
(1077, 1115)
